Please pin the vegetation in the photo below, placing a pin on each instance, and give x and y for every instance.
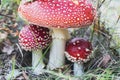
(104, 35)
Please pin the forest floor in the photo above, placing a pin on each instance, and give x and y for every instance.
(15, 63)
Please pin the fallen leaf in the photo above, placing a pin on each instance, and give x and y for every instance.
(8, 48)
(106, 58)
(3, 36)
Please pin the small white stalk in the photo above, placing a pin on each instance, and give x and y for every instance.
(78, 69)
(37, 62)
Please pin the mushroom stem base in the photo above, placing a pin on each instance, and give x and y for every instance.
(37, 62)
(78, 69)
(57, 57)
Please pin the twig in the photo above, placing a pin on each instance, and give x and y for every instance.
(118, 19)
(25, 75)
(6, 15)
(101, 4)
(19, 49)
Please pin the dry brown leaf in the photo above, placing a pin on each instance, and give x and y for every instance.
(3, 36)
(8, 48)
(25, 75)
(106, 58)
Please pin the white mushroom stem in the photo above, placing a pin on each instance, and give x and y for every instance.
(78, 69)
(37, 62)
(57, 57)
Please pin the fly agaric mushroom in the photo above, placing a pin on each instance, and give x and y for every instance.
(78, 50)
(57, 14)
(35, 38)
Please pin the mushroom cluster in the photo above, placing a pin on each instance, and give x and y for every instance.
(35, 38)
(78, 50)
(58, 15)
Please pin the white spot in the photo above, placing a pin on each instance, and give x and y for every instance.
(78, 41)
(38, 39)
(68, 15)
(26, 40)
(78, 19)
(74, 43)
(78, 54)
(81, 4)
(87, 50)
(79, 48)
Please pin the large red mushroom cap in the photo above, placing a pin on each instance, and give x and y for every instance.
(78, 50)
(58, 13)
(33, 37)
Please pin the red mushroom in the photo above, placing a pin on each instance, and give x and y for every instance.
(78, 50)
(57, 14)
(35, 38)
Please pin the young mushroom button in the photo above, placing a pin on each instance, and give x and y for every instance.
(78, 50)
(58, 15)
(35, 38)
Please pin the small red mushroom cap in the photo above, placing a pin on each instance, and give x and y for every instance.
(58, 13)
(78, 50)
(33, 37)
